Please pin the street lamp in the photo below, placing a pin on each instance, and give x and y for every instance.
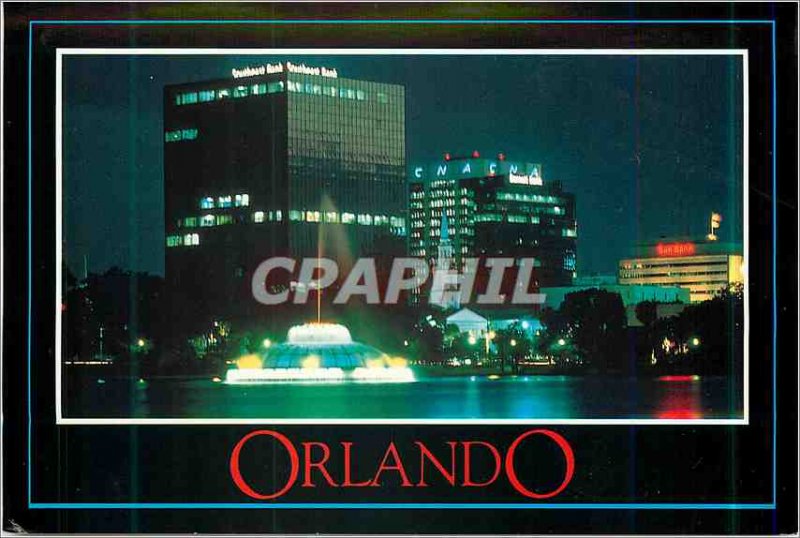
(561, 342)
(140, 342)
(695, 341)
(513, 342)
(266, 343)
(472, 340)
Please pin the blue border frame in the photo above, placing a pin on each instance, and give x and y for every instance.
(434, 505)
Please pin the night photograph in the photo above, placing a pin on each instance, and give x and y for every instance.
(403, 236)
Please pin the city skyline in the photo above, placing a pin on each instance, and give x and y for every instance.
(621, 162)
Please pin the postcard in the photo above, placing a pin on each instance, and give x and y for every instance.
(466, 269)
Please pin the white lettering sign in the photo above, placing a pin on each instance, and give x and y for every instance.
(523, 179)
(270, 69)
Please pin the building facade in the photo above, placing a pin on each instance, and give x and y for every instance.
(494, 208)
(279, 159)
(702, 266)
(631, 295)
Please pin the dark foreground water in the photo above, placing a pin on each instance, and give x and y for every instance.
(477, 397)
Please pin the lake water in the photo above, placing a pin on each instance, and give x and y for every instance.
(521, 397)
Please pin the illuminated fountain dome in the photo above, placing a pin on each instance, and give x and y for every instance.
(320, 352)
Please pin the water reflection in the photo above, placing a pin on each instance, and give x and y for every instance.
(680, 398)
(476, 397)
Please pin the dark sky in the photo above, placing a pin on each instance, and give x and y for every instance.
(650, 145)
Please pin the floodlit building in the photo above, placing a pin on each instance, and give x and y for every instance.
(477, 322)
(631, 295)
(269, 160)
(494, 208)
(702, 266)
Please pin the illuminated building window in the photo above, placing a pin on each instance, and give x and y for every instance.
(180, 134)
(275, 87)
(348, 218)
(241, 200)
(186, 98)
(207, 203)
(190, 222)
(381, 220)
(312, 216)
(295, 215)
(278, 215)
(207, 220)
(195, 239)
(330, 91)
(224, 219)
(398, 222)
(258, 89)
(569, 232)
(223, 93)
(360, 95)
(174, 240)
(241, 91)
(295, 87)
(382, 98)
(224, 201)
(332, 216)
(365, 220)
(258, 216)
(206, 96)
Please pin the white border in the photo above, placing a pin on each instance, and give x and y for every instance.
(60, 420)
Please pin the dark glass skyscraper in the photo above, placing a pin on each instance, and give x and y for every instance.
(280, 159)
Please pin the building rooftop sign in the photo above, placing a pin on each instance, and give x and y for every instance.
(669, 250)
(280, 67)
(517, 172)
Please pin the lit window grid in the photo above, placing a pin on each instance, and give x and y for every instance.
(296, 215)
(704, 276)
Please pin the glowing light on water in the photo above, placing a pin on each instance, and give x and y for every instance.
(311, 362)
(260, 375)
(679, 378)
(248, 362)
(383, 374)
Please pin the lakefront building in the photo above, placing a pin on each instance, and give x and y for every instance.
(702, 266)
(493, 207)
(279, 159)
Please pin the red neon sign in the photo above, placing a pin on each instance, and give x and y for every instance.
(675, 249)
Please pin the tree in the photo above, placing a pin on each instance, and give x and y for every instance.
(428, 337)
(589, 324)
(512, 345)
(647, 312)
(705, 338)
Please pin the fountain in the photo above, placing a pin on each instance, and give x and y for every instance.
(320, 352)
